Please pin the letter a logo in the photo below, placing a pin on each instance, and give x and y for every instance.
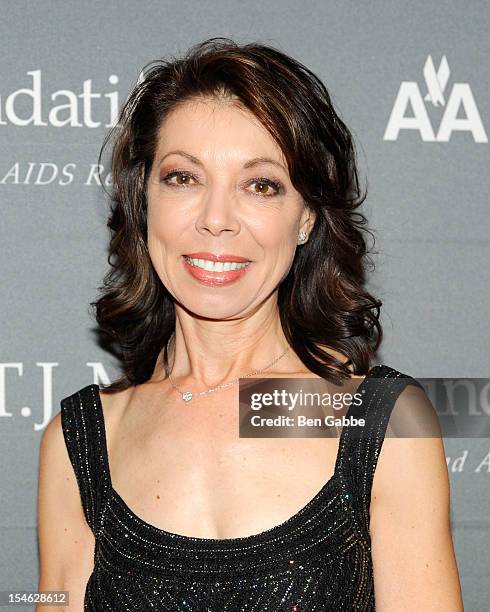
(460, 99)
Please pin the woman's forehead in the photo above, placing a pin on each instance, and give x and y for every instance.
(213, 129)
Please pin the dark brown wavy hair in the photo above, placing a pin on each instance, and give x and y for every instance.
(322, 302)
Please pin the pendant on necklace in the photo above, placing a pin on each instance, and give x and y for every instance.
(187, 396)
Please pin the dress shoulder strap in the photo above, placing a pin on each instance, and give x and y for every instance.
(361, 445)
(84, 434)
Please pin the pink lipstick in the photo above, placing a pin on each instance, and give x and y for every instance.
(216, 270)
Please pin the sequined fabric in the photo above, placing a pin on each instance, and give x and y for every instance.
(317, 560)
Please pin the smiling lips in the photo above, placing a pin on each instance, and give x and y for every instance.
(216, 270)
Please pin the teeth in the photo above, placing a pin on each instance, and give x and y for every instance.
(216, 266)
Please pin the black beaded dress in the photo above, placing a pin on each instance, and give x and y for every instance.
(317, 560)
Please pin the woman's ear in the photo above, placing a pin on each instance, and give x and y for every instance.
(307, 222)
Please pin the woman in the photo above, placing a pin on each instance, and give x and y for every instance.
(237, 251)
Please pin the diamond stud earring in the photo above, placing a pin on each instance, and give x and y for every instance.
(302, 236)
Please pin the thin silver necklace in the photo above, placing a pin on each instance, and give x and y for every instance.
(188, 395)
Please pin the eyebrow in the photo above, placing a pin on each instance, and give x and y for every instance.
(249, 164)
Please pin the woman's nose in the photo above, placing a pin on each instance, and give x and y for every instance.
(218, 211)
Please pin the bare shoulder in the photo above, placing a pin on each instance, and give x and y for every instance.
(53, 455)
(413, 445)
(52, 442)
(63, 532)
(410, 505)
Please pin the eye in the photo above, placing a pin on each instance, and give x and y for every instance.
(182, 177)
(265, 187)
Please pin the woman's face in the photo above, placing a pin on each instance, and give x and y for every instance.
(219, 189)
